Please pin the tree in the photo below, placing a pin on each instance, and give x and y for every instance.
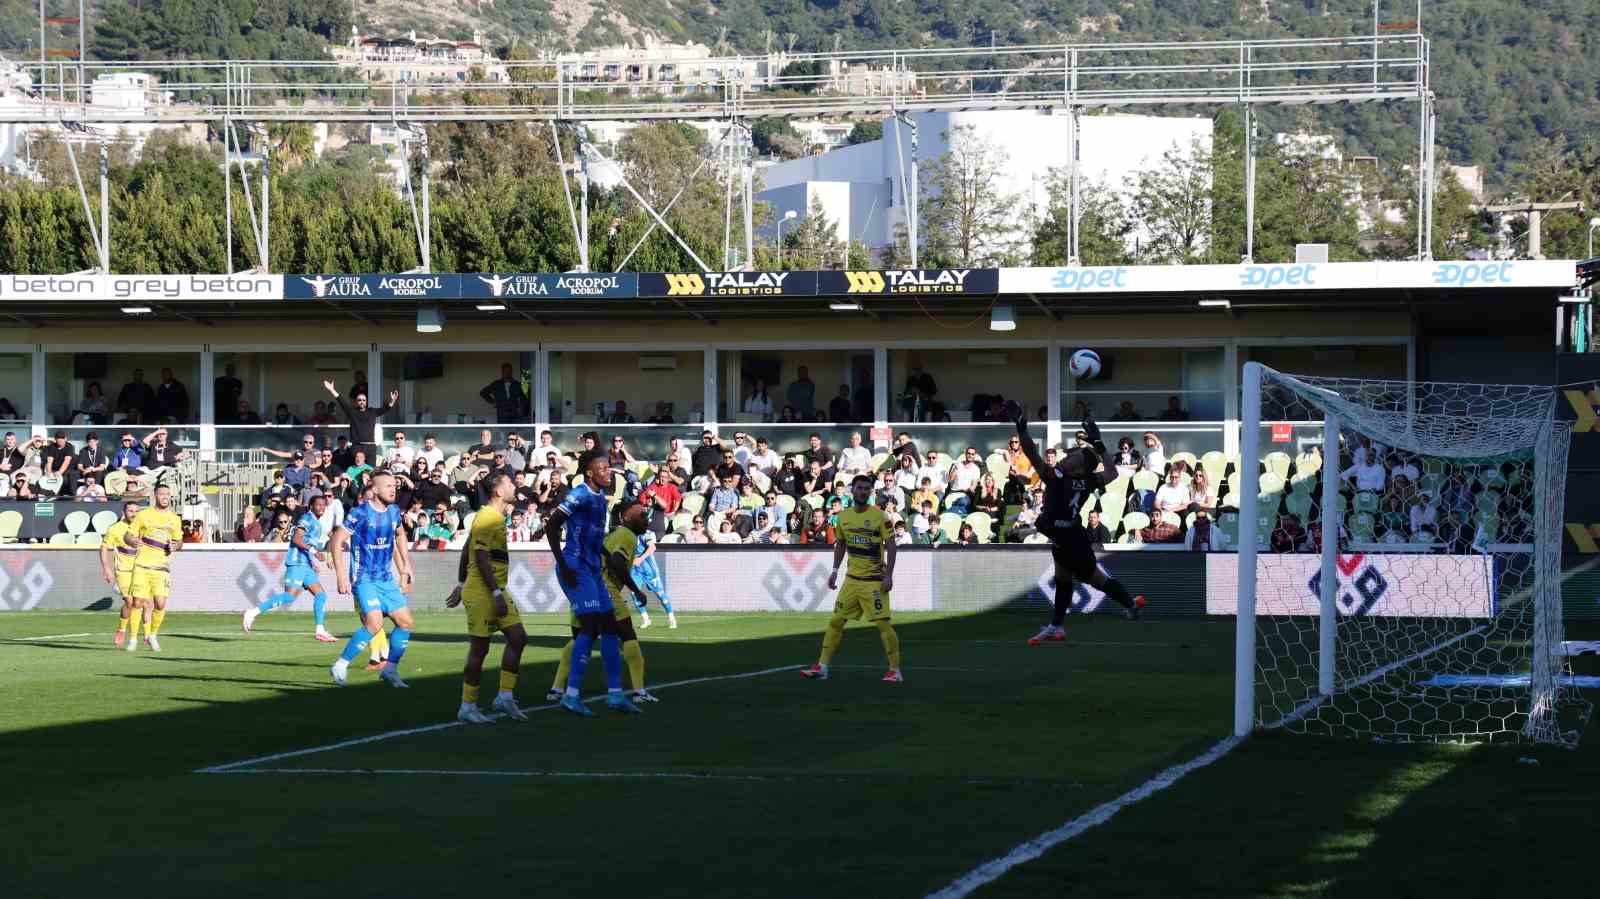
(1304, 196)
(803, 76)
(293, 143)
(777, 137)
(968, 217)
(862, 132)
(1173, 203)
(1104, 227)
(813, 242)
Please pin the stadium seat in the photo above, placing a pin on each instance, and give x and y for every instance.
(813, 501)
(1228, 523)
(878, 461)
(1215, 465)
(1135, 521)
(1277, 463)
(983, 525)
(786, 503)
(714, 523)
(1118, 487)
(1270, 483)
(694, 504)
(103, 520)
(1488, 529)
(10, 525)
(1036, 538)
(1229, 500)
(640, 469)
(1299, 504)
(90, 539)
(1130, 537)
(1172, 518)
(575, 481)
(672, 538)
(682, 522)
(466, 523)
(116, 483)
(1112, 506)
(997, 465)
(1306, 464)
(950, 496)
(1362, 528)
(63, 539)
(760, 480)
(1146, 481)
(1187, 458)
(949, 526)
(76, 522)
(1366, 502)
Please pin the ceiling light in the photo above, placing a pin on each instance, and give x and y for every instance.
(1576, 296)
(491, 307)
(137, 310)
(1216, 304)
(1003, 318)
(845, 306)
(430, 320)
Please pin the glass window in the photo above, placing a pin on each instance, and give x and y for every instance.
(139, 388)
(16, 387)
(283, 388)
(926, 385)
(448, 388)
(795, 386)
(1147, 384)
(627, 387)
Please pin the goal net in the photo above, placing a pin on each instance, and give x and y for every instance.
(1399, 574)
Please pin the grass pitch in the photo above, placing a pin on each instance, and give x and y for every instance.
(749, 784)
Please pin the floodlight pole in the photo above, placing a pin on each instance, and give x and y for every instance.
(105, 211)
(908, 192)
(227, 191)
(1244, 674)
(1249, 185)
(1327, 624)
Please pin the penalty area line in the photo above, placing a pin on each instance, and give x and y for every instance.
(441, 772)
(231, 767)
(45, 637)
(992, 870)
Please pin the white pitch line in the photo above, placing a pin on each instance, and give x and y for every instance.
(992, 870)
(389, 735)
(45, 637)
(426, 772)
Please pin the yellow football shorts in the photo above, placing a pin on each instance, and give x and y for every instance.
(858, 598)
(481, 618)
(150, 583)
(124, 581)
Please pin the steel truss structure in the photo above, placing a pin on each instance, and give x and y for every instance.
(1072, 77)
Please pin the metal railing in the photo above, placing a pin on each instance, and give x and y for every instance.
(1288, 71)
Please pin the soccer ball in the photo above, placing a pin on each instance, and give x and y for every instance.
(1084, 364)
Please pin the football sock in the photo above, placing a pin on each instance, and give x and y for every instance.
(581, 645)
(469, 694)
(1064, 594)
(380, 644)
(274, 601)
(831, 638)
(891, 643)
(563, 667)
(358, 643)
(156, 617)
(134, 617)
(319, 608)
(122, 623)
(508, 682)
(1114, 589)
(611, 657)
(666, 602)
(634, 656)
(397, 644)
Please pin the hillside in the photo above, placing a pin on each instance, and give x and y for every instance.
(1507, 72)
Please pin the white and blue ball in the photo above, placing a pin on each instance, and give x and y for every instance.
(1084, 364)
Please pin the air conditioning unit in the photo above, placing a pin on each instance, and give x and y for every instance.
(658, 363)
(331, 363)
(1315, 253)
(992, 360)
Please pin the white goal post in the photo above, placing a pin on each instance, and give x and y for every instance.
(1398, 561)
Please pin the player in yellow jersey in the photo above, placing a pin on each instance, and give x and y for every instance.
(484, 565)
(620, 546)
(156, 533)
(864, 533)
(116, 563)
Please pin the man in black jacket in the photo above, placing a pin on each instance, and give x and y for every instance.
(506, 396)
(172, 399)
(363, 419)
(707, 455)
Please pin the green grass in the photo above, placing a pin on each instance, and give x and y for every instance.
(848, 787)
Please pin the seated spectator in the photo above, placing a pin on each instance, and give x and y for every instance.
(1173, 495)
(758, 402)
(1403, 464)
(729, 468)
(90, 490)
(1394, 507)
(282, 526)
(519, 531)
(1367, 473)
(795, 524)
(1126, 412)
(11, 456)
(988, 499)
(1097, 530)
(855, 458)
(815, 480)
(297, 475)
(925, 523)
(620, 415)
(697, 531)
(1174, 411)
(400, 451)
(905, 476)
(817, 531)
(775, 514)
(891, 511)
(57, 460)
(246, 415)
(724, 497)
(282, 417)
(840, 409)
(930, 469)
(763, 459)
(925, 495)
(663, 415)
(94, 406)
(707, 455)
(790, 480)
(160, 452)
(963, 479)
(194, 531)
(21, 489)
(1204, 535)
(1288, 536)
(359, 470)
(966, 536)
(1126, 460)
(726, 535)
(819, 452)
(1201, 494)
(321, 416)
(249, 529)
(92, 460)
(430, 450)
(1155, 456)
(277, 492)
(308, 448)
(902, 536)
(436, 533)
(661, 494)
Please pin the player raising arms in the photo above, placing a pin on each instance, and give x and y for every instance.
(620, 572)
(156, 533)
(1066, 486)
(371, 534)
(484, 566)
(300, 563)
(582, 516)
(867, 537)
(116, 563)
(648, 576)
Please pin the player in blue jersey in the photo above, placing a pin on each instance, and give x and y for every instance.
(581, 519)
(648, 576)
(378, 572)
(300, 564)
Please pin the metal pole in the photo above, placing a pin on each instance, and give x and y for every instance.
(566, 194)
(749, 203)
(583, 197)
(916, 197)
(1074, 189)
(1244, 661)
(1374, 43)
(1328, 622)
(1422, 181)
(105, 212)
(42, 54)
(266, 205)
(427, 219)
(227, 189)
(1249, 184)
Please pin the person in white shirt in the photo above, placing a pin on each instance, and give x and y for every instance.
(1367, 473)
(742, 449)
(902, 537)
(932, 471)
(518, 530)
(763, 459)
(91, 491)
(430, 451)
(1155, 456)
(1173, 495)
(965, 472)
(758, 403)
(547, 444)
(1424, 514)
(400, 451)
(905, 477)
(855, 458)
(1399, 465)
(726, 534)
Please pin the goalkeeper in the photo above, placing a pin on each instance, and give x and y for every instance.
(1067, 485)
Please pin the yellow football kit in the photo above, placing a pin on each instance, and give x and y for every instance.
(621, 540)
(153, 534)
(116, 541)
(864, 533)
(488, 534)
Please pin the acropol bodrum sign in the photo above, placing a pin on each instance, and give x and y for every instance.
(144, 288)
(372, 287)
(569, 285)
